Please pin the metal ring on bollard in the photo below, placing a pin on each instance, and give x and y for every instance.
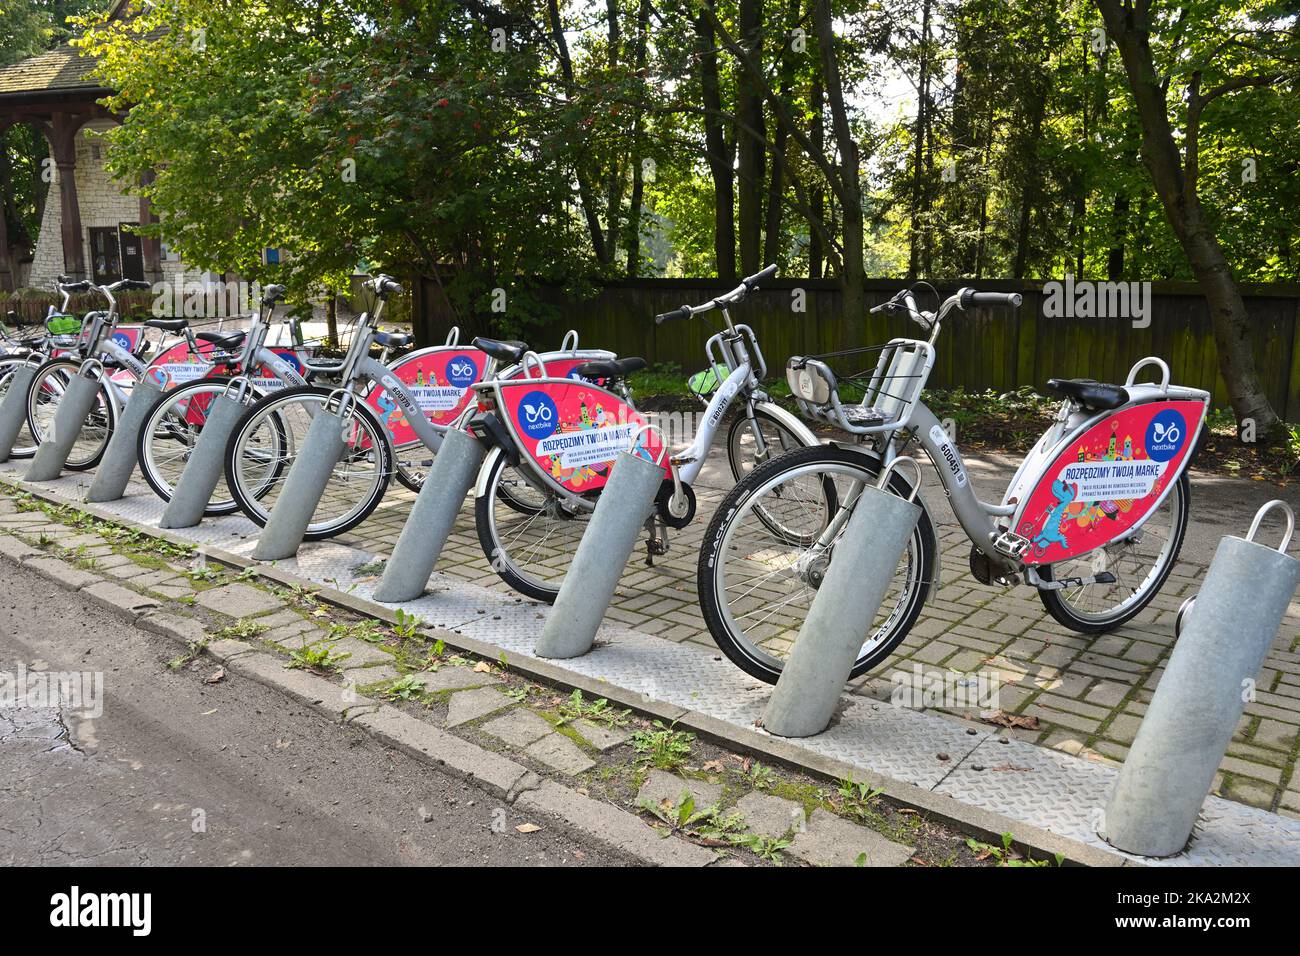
(1185, 609)
(346, 401)
(1143, 363)
(453, 336)
(570, 343)
(240, 384)
(883, 481)
(1259, 516)
(95, 367)
(663, 446)
(40, 360)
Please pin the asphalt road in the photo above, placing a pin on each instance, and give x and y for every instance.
(179, 771)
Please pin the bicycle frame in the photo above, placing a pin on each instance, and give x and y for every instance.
(1135, 483)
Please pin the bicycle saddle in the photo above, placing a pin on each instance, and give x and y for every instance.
(222, 340)
(393, 340)
(617, 368)
(501, 350)
(168, 325)
(1090, 393)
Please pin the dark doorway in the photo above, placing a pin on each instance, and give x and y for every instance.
(105, 256)
(132, 252)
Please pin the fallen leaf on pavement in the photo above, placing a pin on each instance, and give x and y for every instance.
(1009, 766)
(482, 667)
(714, 766)
(528, 828)
(1001, 718)
(216, 675)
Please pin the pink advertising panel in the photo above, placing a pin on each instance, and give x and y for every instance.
(573, 430)
(1108, 479)
(439, 380)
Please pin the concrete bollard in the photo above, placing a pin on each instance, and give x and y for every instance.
(426, 530)
(199, 480)
(1194, 713)
(114, 471)
(74, 407)
(13, 410)
(322, 448)
(621, 510)
(862, 566)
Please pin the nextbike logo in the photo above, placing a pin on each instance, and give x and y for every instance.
(1098, 300)
(1165, 435)
(462, 372)
(537, 415)
(74, 909)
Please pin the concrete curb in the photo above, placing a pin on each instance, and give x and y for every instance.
(983, 824)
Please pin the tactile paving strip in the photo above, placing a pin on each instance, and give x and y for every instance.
(1035, 785)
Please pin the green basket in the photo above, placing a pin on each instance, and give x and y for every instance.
(63, 325)
(705, 383)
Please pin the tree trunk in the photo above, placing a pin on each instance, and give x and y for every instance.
(816, 255)
(718, 152)
(853, 276)
(586, 193)
(1031, 174)
(1177, 188)
(633, 241)
(919, 136)
(751, 134)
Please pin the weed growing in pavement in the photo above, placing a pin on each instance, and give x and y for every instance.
(192, 651)
(317, 656)
(664, 748)
(1006, 854)
(245, 629)
(409, 687)
(405, 626)
(598, 711)
(367, 629)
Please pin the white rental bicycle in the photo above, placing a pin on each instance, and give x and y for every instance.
(531, 546)
(1093, 518)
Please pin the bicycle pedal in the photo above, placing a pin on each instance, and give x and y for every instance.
(1011, 544)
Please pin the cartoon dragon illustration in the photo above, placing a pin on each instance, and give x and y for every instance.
(1051, 532)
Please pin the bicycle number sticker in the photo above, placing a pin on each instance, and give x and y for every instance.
(948, 454)
(1108, 479)
(573, 431)
(439, 380)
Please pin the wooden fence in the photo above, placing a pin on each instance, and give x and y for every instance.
(977, 350)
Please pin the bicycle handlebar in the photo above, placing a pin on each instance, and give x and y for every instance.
(968, 298)
(747, 285)
(385, 286)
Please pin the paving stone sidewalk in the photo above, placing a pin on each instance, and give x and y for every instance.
(1084, 695)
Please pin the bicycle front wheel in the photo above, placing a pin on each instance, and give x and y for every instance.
(1140, 563)
(755, 441)
(266, 441)
(43, 398)
(769, 544)
(170, 432)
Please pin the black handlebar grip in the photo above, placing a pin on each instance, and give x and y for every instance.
(682, 313)
(139, 285)
(972, 298)
(272, 294)
(81, 286)
(758, 277)
(385, 286)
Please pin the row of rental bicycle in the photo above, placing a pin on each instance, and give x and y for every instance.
(1093, 519)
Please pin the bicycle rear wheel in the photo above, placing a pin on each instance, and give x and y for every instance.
(1140, 563)
(267, 440)
(528, 535)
